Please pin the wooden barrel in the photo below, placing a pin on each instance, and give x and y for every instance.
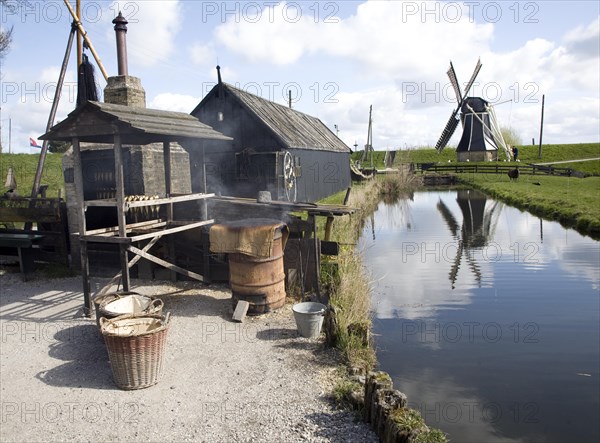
(259, 281)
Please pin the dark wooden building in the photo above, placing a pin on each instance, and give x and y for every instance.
(275, 148)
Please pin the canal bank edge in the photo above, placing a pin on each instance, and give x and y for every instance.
(348, 326)
(547, 198)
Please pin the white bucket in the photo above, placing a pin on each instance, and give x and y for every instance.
(309, 318)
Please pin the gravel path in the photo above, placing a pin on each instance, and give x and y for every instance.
(223, 381)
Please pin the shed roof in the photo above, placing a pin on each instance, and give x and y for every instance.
(294, 129)
(97, 122)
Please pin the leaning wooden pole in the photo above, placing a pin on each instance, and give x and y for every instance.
(79, 37)
(61, 78)
(541, 129)
(87, 40)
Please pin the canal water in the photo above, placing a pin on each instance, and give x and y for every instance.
(487, 317)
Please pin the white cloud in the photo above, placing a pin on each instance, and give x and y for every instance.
(376, 36)
(152, 28)
(401, 60)
(202, 54)
(29, 102)
(174, 102)
(585, 39)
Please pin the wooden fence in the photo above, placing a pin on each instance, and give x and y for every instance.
(495, 168)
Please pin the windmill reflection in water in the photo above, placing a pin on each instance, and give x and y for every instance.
(476, 231)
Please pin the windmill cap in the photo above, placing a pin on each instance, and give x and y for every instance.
(477, 103)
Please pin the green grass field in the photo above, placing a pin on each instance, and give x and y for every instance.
(24, 167)
(527, 154)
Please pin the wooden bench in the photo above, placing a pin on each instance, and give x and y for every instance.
(24, 245)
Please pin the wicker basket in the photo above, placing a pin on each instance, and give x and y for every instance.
(105, 298)
(136, 347)
(127, 303)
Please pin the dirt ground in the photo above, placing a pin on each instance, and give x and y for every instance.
(223, 381)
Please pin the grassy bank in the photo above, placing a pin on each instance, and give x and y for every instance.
(351, 299)
(350, 288)
(574, 202)
(24, 167)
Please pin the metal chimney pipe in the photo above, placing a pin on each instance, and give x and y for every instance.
(219, 75)
(290, 98)
(121, 29)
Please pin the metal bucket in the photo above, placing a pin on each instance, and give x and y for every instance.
(309, 318)
(259, 281)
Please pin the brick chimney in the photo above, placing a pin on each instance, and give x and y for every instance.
(124, 89)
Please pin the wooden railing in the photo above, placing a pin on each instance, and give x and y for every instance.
(494, 168)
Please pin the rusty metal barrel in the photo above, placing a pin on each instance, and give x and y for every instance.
(259, 281)
(256, 274)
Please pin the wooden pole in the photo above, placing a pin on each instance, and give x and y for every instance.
(120, 194)
(79, 37)
(61, 78)
(87, 40)
(82, 227)
(541, 128)
(168, 191)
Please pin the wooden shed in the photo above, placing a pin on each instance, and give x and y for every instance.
(120, 125)
(275, 148)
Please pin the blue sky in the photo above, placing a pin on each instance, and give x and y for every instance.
(336, 57)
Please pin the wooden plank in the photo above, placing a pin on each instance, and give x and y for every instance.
(156, 223)
(37, 215)
(103, 238)
(318, 209)
(165, 263)
(19, 240)
(172, 230)
(241, 309)
(111, 202)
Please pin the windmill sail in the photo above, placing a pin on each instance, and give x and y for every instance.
(454, 82)
(473, 77)
(447, 132)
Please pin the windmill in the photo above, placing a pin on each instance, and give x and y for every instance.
(481, 137)
(369, 145)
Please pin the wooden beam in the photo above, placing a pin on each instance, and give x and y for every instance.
(87, 40)
(317, 258)
(165, 263)
(156, 223)
(172, 230)
(120, 195)
(83, 256)
(170, 240)
(131, 263)
(328, 226)
(99, 238)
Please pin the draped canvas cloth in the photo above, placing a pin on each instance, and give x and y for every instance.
(253, 237)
